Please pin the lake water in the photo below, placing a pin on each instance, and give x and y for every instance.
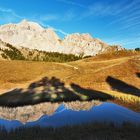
(105, 112)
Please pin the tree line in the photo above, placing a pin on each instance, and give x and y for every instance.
(13, 53)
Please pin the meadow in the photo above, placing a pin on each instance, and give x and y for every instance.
(107, 77)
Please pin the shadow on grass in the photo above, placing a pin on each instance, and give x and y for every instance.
(138, 74)
(89, 94)
(121, 86)
(51, 90)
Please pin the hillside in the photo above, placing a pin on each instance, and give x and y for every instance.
(31, 35)
(9, 52)
(103, 77)
(106, 64)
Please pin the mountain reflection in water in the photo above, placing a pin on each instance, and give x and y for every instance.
(63, 116)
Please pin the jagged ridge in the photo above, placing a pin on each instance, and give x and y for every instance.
(31, 35)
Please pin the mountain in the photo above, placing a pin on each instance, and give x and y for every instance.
(33, 36)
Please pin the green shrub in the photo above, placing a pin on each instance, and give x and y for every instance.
(137, 49)
(55, 57)
(12, 53)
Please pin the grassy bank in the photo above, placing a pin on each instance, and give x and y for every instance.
(128, 100)
(54, 90)
(96, 131)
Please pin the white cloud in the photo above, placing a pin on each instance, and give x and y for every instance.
(9, 15)
(101, 9)
(116, 10)
(130, 42)
(69, 15)
(49, 17)
(57, 30)
(131, 12)
(72, 3)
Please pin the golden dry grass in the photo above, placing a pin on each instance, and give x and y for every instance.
(17, 73)
(91, 73)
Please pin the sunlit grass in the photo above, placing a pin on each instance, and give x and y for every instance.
(90, 73)
(127, 98)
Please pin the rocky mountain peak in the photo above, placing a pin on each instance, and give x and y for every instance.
(51, 34)
(86, 36)
(33, 36)
(78, 36)
(29, 25)
(24, 21)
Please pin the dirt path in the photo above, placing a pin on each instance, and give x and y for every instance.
(115, 59)
(110, 66)
(105, 67)
(68, 65)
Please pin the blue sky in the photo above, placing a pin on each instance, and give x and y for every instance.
(113, 21)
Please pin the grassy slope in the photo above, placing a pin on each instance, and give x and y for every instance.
(83, 72)
(90, 73)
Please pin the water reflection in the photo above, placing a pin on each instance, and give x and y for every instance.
(105, 112)
(33, 112)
